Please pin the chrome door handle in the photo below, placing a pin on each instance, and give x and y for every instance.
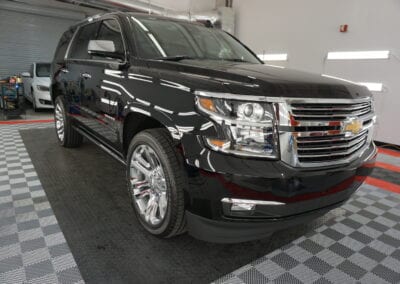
(64, 70)
(86, 75)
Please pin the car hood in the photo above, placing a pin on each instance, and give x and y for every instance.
(258, 79)
(45, 81)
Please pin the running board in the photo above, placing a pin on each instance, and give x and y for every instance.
(96, 142)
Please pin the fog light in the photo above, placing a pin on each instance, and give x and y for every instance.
(248, 205)
(242, 207)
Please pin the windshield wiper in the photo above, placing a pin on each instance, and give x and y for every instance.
(175, 58)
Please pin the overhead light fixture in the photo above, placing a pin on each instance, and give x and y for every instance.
(373, 87)
(349, 55)
(273, 57)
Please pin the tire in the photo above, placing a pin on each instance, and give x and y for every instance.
(173, 223)
(67, 136)
(35, 109)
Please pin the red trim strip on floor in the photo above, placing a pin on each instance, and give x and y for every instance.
(389, 167)
(389, 152)
(11, 122)
(383, 184)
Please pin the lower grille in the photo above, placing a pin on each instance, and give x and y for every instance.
(329, 148)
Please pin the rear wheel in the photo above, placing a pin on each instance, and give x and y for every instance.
(156, 183)
(67, 136)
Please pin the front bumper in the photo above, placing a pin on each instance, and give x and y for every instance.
(242, 230)
(295, 195)
(43, 99)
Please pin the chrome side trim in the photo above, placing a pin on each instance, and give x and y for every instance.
(248, 201)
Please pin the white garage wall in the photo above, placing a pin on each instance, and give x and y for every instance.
(308, 29)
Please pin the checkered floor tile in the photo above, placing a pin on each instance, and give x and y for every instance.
(361, 245)
(32, 246)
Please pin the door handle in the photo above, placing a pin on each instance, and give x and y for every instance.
(64, 70)
(86, 75)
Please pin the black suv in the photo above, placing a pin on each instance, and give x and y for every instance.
(215, 142)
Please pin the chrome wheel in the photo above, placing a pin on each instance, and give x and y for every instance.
(59, 120)
(148, 185)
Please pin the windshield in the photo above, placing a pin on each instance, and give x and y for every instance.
(43, 70)
(169, 40)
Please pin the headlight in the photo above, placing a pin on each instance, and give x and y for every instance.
(42, 88)
(248, 127)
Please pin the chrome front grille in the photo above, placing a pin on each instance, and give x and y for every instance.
(322, 132)
(314, 111)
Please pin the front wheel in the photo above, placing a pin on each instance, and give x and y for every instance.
(156, 183)
(35, 109)
(67, 136)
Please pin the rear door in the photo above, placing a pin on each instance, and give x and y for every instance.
(61, 79)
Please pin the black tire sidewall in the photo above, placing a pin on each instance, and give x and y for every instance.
(59, 101)
(33, 101)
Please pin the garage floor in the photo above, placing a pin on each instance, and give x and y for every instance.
(27, 113)
(358, 242)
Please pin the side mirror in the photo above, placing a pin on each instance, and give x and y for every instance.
(104, 48)
(26, 74)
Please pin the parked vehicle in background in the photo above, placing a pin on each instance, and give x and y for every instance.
(214, 141)
(36, 86)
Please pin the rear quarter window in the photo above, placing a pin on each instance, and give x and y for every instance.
(63, 46)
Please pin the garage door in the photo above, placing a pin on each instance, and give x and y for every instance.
(26, 38)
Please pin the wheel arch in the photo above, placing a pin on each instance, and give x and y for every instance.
(135, 122)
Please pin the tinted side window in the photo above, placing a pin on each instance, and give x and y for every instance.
(63, 46)
(110, 30)
(79, 48)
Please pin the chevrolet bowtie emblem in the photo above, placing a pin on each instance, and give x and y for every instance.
(354, 126)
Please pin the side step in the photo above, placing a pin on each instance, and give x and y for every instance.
(102, 146)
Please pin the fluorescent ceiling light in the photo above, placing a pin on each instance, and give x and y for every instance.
(373, 87)
(346, 55)
(273, 57)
